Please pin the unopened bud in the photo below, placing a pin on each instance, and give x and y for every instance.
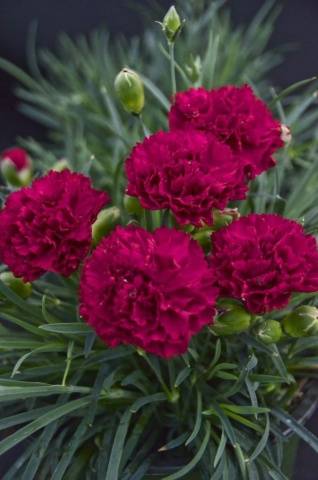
(194, 69)
(285, 134)
(270, 331)
(106, 220)
(61, 165)
(132, 205)
(302, 322)
(16, 167)
(21, 288)
(171, 24)
(222, 218)
(232, 319)
(130, 91)
(203, 237)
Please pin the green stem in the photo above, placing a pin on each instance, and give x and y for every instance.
(68, 362)
(172, 69)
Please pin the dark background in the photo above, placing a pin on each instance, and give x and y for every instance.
(297, 25)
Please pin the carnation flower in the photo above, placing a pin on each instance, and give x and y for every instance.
(151, 290)
(236, 117)
(17, 156)
(48, 226)
(262, 259)
(188, 172)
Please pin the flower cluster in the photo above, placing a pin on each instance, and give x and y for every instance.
(48, 227)
(218, 141)
(236, 117)
(156, 290)
(152, 290)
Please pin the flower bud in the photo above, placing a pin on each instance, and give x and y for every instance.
(222, 218)
(21, 288)
(106, 220)
(270, 331)
(203, 237)
(232, 319)
(132, 205)
(285, 135)
(171, 24)
(130, 91)
(61, 165)
(16, 167)
(194, 69)
(302, 322)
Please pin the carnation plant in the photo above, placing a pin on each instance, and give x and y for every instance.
(159, 269)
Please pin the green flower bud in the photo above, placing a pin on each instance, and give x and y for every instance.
(13, 176)
(203, 237)
(270, 331)
(233, 318)
(61, 165)
(224, 218)
(132, 205)
(130, 91)
(302, 322)
(194, 68)
(106, 220)
(171, 24)
(21, 288)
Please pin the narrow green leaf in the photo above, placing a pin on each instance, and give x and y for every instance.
(8, 394)
(220, 449)
(183, 375)
(156, 92)
(280, 365)
(244, 410)
(225, 422)
(19, 343)
(23, 417)
(51, 347)
(41, 422)
(198, 419)
(78, 435)
(297, 428)
(113, 468)
(262, 443)
(196, 459)
(176, 442)
(295, 86)
(28, 326)
(75, 328)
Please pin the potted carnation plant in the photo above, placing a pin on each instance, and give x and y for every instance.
(159, 269)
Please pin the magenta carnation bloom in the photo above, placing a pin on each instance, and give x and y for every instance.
(48, 227)
(235, 116)
(17, 156)
(151, 290)
(262, 259)
(187, 172)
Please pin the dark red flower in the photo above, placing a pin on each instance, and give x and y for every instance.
(235, 116)
(187, 172)
(48, 227)
(151, 290)
(262, 259)
(18, 157)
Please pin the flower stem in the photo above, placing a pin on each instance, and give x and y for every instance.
(68, 362)
(172, 69)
